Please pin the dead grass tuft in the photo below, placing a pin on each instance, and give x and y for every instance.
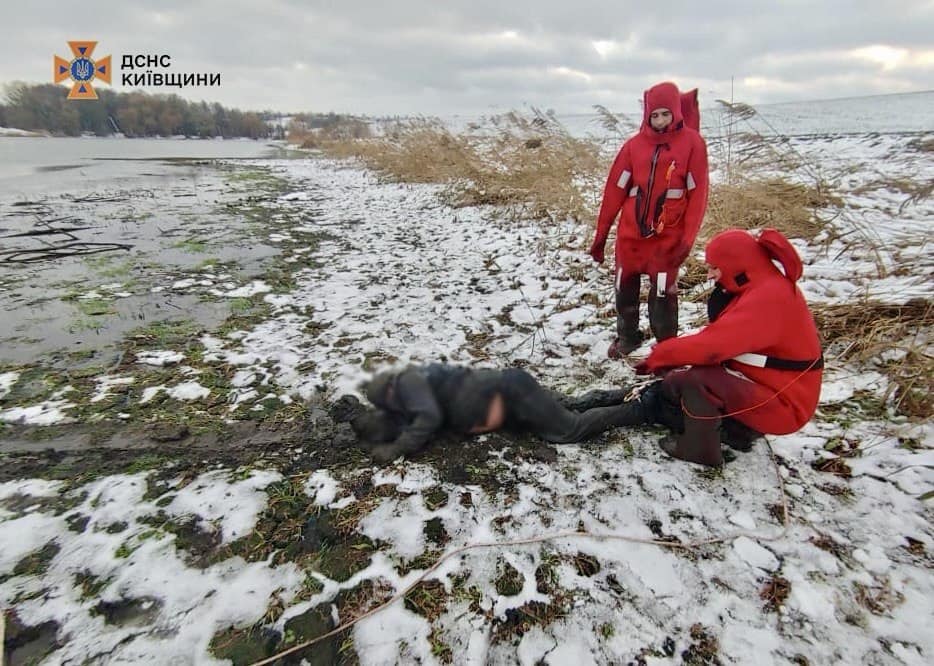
(428, 599)
(773, 202)
(872, 330)
(704, 649)
(836, 490)
(509, 582)
(530, 164)
(519, 621)
(363, 598)
(917, 192)
(835, 466)
(835, 548)
(586, 565)
(774, 593)
(878, 599)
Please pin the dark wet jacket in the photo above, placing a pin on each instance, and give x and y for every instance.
(435, 396)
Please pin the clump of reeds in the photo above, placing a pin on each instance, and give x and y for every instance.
(621, 126)
(419, 150)
(531, 164)
(897, 337)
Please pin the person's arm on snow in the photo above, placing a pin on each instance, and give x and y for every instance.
(740, 330)
(614, 194)
(698, 187)
(417, 400)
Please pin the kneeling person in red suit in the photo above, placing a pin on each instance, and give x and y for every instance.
(757, 366)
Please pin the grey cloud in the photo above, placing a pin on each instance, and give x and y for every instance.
(423, 55)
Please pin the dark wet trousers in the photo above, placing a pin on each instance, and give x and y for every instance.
(554, 418)
(663, 308)
(705, 394)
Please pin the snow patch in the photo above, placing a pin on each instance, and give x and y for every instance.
(45, 413)
(322, 486)
(755, 555)
(105, 383)
(255, 287)
(233, 507)
(7, 381)
(189, 391)
(159, 358)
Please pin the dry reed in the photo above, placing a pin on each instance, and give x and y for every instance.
(532, 166)
(896, 336)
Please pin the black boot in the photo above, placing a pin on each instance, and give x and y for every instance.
(700, 441)
(738, 436)
(628, 335)
(663, 315)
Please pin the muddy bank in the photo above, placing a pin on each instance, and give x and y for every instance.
(312, 440)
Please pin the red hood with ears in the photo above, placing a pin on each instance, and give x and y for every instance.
(743, 259)
(661, 96)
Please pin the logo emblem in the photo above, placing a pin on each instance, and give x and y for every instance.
(82, 69)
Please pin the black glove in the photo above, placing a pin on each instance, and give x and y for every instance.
(346, 408)
(376, 426)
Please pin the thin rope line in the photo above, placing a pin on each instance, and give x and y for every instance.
(569, 534)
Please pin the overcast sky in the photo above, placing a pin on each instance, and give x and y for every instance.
(437, 57)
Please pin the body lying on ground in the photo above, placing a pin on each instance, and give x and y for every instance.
(414, 404)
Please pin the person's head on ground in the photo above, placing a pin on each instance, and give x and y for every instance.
(375, 426)
(379, 389)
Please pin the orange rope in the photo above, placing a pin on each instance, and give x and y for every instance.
(749, 409)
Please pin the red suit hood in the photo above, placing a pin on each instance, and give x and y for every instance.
(661, 96)
(743, 259)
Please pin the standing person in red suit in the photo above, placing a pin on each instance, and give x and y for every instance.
(659, 181)
(756, 367)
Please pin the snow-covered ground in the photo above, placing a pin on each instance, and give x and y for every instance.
(401, 277)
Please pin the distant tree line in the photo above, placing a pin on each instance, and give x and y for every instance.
(44, 107)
